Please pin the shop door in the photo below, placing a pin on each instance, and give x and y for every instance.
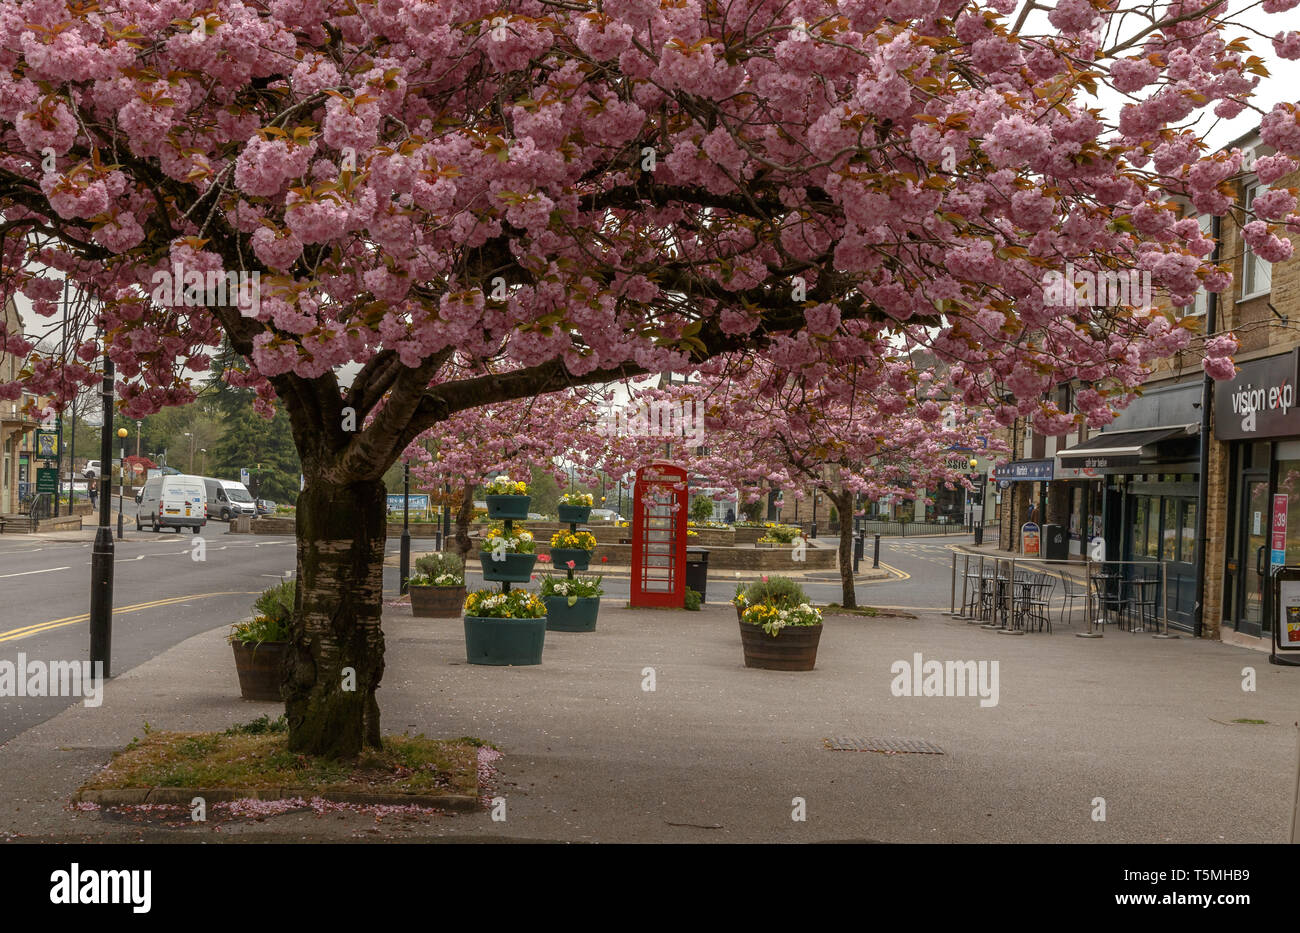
(1252, 559)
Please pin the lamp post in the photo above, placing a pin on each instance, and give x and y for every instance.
(101, 556)
(121, 477)
(404, 570)
(203, 459)
(189, 466)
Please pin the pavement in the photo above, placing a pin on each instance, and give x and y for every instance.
(717, 752)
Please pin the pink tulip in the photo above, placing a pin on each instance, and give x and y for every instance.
(571, 565)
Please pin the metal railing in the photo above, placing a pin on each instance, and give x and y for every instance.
(919, 529)
(1004, 568)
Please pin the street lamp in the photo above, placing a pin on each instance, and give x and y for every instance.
(203, 460)
(404, 568)
(121, 477)
(101, 556)
(190, 464)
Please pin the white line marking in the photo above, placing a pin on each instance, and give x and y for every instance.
(28, 573)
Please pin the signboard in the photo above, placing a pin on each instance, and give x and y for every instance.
(1278, 558)
(1258, 402)
(1288, 622)
(659, 513)
(1025, 471)
(47, 479)
(419, 502)
(1029, 539)
(47, 444)
(243, 476)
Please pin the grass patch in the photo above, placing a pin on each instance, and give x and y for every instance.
(255, 755)
(1253, 722)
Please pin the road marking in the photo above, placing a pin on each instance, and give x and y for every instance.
(901, 574)
(28, 630)
(28, 573)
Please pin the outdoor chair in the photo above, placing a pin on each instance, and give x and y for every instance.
(1072, 590)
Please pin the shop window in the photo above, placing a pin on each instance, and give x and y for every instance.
(1141, 506)
(1187, 546)
(1169, 529)
(1153, 528)
(1288, 484)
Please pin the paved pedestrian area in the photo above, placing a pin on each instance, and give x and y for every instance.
(716, 752)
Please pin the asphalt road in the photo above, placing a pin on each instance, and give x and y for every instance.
(162, 595)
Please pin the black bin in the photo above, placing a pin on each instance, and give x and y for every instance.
(697, 571)
(1056, 546)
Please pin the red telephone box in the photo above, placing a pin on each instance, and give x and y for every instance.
(659, 514)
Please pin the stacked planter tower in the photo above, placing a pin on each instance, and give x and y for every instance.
(501, 642)
(581, 616)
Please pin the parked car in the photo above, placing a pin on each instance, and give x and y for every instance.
(175, 501)
(92, 469)
(228, 499)
(265, 507)
(603, 515)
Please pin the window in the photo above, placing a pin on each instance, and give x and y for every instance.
(1140, 526)
(1188, 544)
(1201, 304)
(1256, 273)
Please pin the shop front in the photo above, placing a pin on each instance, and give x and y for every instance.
(1142, 501)
(1256, 417)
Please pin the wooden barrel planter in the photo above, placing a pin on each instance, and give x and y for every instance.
(516, 568)
(573, 513)
(580, 617)
(793, 649)
(502, 642)
(258, 667)
(508, 506)
(560, 557)
(437, 602)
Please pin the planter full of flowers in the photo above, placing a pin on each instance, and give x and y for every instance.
(504, 628)
(571, 603)
(575, 506)
(779, 630)
(573, 546)
(507, 498)
(261, 643)
(437, 588)
(508, 556)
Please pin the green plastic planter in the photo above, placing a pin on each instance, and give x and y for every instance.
(508, 506)
(516, 568)
(580, 617)
(502, 642)
(573, 513)
(560, 557)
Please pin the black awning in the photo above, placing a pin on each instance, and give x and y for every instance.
(1122, 448)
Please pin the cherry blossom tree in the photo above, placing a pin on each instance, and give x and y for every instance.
(354, 191)
(875, 429)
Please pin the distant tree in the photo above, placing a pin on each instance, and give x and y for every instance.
(263, 447)
(701, 509)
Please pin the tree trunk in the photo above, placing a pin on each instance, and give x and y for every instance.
(463, 516)
(844, 505)
(337, 636)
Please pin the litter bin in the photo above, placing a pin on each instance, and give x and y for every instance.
(1055, 544)
(979, 533)
(697, 571)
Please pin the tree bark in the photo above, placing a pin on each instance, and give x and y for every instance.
(337, 639)
(843, 500)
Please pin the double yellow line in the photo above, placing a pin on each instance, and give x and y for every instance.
(29, 630)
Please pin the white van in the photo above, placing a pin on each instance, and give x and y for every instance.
(228, 499)
(175, 501)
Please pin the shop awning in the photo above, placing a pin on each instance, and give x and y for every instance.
(1122, 448)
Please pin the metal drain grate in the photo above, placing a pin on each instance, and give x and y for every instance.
(887, 746)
